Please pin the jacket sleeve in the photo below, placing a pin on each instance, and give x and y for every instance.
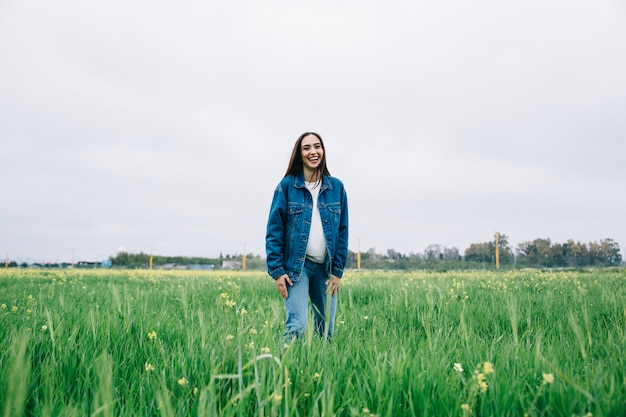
(275, 234)
(341, 254)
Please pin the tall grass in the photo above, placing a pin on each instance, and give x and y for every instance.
(136, 343)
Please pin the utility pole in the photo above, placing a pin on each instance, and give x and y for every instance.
(358, 256)
(243, 258)
(497, 251)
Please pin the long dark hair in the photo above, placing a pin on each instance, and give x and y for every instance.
(295, 163)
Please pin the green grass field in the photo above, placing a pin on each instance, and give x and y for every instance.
(141, 343)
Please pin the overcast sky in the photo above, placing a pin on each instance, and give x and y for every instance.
(164, 127)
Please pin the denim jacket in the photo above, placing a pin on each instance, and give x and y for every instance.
(289, 225)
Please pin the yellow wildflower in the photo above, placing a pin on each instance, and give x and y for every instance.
(487, 368)
(244, 311)
(253, 331)
(149, 367)
(230, 303)
(482, 384)
(3, 306)
(224, 295)
(466, 408)
(183, 381)
(230, 337)
(195, 391)
(316, 376)
(548, 378)
(251, 345)
(14, 309)
(265, 350)
(152, 335)
(28, 311)
(30, 298)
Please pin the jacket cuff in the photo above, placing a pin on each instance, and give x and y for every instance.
(337, 272)
(277, 273)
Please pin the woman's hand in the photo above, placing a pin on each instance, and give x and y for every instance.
(281, 285)
(333, 285)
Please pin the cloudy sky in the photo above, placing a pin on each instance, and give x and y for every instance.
(164, 127)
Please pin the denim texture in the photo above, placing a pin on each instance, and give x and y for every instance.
(289, 225)
(312, 283)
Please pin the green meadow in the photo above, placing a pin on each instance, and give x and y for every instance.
(184, 343)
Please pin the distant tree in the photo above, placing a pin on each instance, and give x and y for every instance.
(577, 254)
(480, 252)
(605, 253)
(523, 249)
(535, 253)
(557, 255)
(371, 255)
(433, 252)
(611, 251)
(415, 256)
(451, 254)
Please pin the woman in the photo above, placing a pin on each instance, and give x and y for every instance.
(307, 238)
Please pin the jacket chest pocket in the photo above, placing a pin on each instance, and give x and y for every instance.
(334, 211)
(294, 215)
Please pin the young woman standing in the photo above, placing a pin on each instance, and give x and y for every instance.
(307, 238)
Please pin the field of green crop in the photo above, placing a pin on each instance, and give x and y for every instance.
(141, 343)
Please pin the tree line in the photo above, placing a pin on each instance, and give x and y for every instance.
(539, 253)
(542, 253)
(142, 260)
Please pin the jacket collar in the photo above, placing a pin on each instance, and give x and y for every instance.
(299, 182)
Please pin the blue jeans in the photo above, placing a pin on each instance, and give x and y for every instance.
(312, 284)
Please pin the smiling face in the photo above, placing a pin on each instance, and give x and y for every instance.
(308, 157)
(312, 153)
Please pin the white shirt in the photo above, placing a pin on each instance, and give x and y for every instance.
(316, 248)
